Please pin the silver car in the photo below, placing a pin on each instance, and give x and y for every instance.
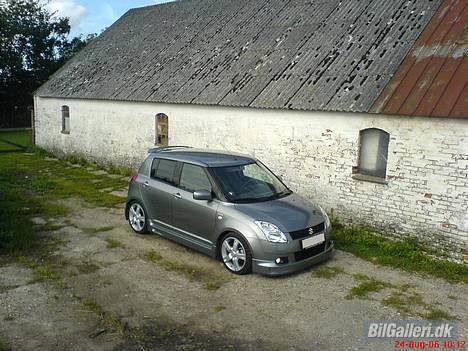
(229, 206)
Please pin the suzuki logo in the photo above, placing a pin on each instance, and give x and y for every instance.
(311, 231)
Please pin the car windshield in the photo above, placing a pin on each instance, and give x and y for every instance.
(252, 182)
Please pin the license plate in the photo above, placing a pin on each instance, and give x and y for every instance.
(315, 240)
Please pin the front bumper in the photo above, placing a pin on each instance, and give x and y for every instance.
(267, 267)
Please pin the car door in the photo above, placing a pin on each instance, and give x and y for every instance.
(194, 218)
(158, 192)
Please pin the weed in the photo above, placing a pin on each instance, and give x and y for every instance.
(43, 273)
(153, 256)
(4, 346)
(365, 287)
(438, 314)
(327, 272)
(87, 268)
(210, 281)
(113, 243)
(97, 230)
(452, 297)
(215, 284)
(408, 254)
(404, 304)
(219, 308)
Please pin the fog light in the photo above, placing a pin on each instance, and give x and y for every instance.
(281, 260)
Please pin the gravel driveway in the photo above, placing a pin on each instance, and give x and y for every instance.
(113, 290)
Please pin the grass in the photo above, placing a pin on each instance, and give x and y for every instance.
(327, 272)
(87, 268)
(113, 243)
(109, 321)
(408, 255)
(219, 308)
(211, 281)
(19, 137)
(4, 346)
(404, 304)
(97, 230)
(365, 287)
(438, 314)
(153, 256)
(30, 186)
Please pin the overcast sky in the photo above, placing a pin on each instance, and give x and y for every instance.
(91, 16)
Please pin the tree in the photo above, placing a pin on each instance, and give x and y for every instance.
(33, 44)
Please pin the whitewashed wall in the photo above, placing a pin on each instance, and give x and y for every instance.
(314, 152)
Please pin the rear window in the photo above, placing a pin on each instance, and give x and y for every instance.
(145, 166)
(164, 170)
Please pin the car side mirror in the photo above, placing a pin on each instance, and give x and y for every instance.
(202, 195)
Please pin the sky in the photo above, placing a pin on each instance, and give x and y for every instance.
(92, 16)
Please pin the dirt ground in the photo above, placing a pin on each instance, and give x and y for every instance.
(109, 289)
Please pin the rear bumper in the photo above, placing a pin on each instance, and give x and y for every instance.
(270, 268)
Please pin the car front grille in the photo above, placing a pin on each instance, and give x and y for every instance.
(310, 252)
(299, 234)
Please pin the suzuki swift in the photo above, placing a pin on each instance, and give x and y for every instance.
(229, 206)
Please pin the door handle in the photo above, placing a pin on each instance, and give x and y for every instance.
(177, 196)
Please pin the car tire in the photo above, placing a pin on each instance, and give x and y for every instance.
(137, 218)
(235, 254)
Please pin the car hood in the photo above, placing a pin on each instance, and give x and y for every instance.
(289, 213)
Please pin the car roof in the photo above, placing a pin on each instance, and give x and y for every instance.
(202, 157)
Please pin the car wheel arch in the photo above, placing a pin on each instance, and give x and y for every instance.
(222, 235)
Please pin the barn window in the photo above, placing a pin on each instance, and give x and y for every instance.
(162, 129)
(65, 119)
(373, 153)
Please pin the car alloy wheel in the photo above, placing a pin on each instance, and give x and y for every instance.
(236, 254)
(137, 218)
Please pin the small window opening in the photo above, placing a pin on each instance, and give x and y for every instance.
(162, 129)
(373, 153)
(65, 119)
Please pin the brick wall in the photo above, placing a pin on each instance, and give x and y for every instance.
(427, 175)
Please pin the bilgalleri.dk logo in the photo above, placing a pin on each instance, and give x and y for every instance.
(412, 329)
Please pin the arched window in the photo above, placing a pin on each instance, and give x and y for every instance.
(65, 119)
(162, 129)
(373, 152)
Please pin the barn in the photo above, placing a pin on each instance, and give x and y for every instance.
(360, 105)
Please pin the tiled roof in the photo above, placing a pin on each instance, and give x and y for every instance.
(433, 79)
(288, 54)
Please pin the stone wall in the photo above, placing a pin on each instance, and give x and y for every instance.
(426, 193)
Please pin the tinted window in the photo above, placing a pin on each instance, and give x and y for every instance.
(165, 170)
(194, 178)
(145, 167)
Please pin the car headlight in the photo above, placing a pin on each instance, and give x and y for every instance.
(325, 217)
(272, 232)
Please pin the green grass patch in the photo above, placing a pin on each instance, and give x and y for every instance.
(404, 304)
(113, 243)
(407, 255)
(153, 256)
(44, 273)
(365, 287)
(438, 314)
(19, 137)
(30, 186)
(4, 346)
(326, 272)
(87, 268)
(97, 230)
(8, 147)
(219, 308)
(210, 280)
